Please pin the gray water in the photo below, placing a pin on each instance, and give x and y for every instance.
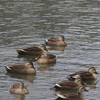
(25, 23)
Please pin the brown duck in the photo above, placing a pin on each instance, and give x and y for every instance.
(68, 85)
(72, 96)
(46, 58)
(56, 41)
(34, 50)
(18, 89)
(85, 75)
(27, 68)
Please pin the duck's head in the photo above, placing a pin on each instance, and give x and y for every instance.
(78, 81)
(61, 37)
(82, 88)
(24, 89)
(29, 65)
(43, 47)
(92, 70)
(44, 54)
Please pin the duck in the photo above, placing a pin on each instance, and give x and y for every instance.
(68, 85)
(72, 96)
(33, 50)
(85, 75)
(18, 88)
(27, 68)
(46, 58)
(56, 41)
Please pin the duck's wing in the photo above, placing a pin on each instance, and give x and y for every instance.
(29, 50)
(15, 68)
(78, 73)
(67, 83)
(69, 96)
(33, 48)
(83, 75)
(53, 39)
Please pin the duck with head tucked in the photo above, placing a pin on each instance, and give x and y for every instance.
(56, 41)
(85, 75)
(27, 68)
(72, 96)
(18, 89)
(34, 50)
(46, 58)
(69, 85)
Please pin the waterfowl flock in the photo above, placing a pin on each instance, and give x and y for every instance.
(74, 81)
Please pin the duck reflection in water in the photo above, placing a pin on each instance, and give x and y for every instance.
(19, 97)
(44, 67)
(28, 78)
(27, 58)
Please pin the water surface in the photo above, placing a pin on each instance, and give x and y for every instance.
(26, 23)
